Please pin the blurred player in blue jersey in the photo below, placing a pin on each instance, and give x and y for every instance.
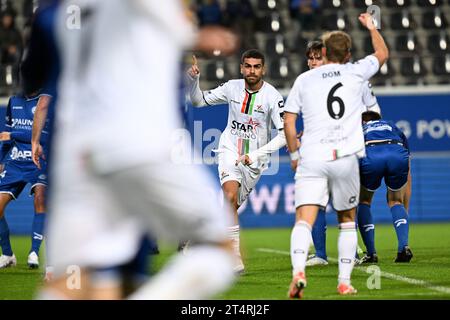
(18, 170)
(387, 156)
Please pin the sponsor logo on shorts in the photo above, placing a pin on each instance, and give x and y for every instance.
(42, 176)
(352, 199)
(20, 154)
(3, 174)
(223, 175)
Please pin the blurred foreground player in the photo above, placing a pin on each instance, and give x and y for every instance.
(109, 189)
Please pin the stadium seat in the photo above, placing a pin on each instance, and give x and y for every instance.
(336, 21)
(280, 69)
(333, 4)
(363, 4)
(407, 43)
(398, 3)
(441, 65)
(276, 46)
(267, 5)
(412, 67)
(270, 23)
(438, 42)
(402, 20)
(299, 46)
(434, 19)
(217, 70)
(429, 3)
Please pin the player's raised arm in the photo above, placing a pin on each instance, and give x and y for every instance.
(201, 98)
(379, 46)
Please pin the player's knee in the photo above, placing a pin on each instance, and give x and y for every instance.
(231, 196)
(392, 203)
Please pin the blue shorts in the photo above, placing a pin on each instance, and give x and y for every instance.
(388, 161)
(16, 175)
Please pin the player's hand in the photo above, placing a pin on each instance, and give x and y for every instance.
(194, 70)
(5, 136)
(367, 21)
(299, 136)
(245, 159)
(294, 164)
(37, 153)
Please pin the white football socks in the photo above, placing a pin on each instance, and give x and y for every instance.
(300, 241)
(206, 271)
(347, 243)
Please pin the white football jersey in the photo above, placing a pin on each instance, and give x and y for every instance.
(119, 86)
(329, 99)
(250, 115)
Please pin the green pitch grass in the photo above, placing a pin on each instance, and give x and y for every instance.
(268, 267)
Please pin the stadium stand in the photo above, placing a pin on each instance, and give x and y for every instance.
(281, 30)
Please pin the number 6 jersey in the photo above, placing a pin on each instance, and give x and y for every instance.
(329, 99)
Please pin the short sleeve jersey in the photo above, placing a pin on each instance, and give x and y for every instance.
(250, 115)
(329, 100)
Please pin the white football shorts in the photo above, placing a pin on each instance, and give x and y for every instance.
(246, 176)
(316, 180)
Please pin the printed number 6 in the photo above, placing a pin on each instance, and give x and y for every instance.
(331, 98)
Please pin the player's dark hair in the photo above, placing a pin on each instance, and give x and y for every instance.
(370, 116)
(253, 53)
(314, 46)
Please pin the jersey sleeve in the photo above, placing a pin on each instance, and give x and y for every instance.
(367, 67)
(277, 112)
(218, 95)
(294, 101)
(369, 98)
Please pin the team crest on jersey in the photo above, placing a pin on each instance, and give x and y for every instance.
(259, 109)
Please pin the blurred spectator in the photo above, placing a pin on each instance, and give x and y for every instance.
(10, 39)
(241, 18)
(6, 5)
(209, 12)
(306, 12)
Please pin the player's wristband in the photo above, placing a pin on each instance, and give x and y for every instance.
(294, 155)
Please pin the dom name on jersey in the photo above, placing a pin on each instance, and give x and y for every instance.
(244, 130)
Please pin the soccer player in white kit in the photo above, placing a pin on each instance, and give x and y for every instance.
(114, 178)
(329, 99)
(254, 106)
